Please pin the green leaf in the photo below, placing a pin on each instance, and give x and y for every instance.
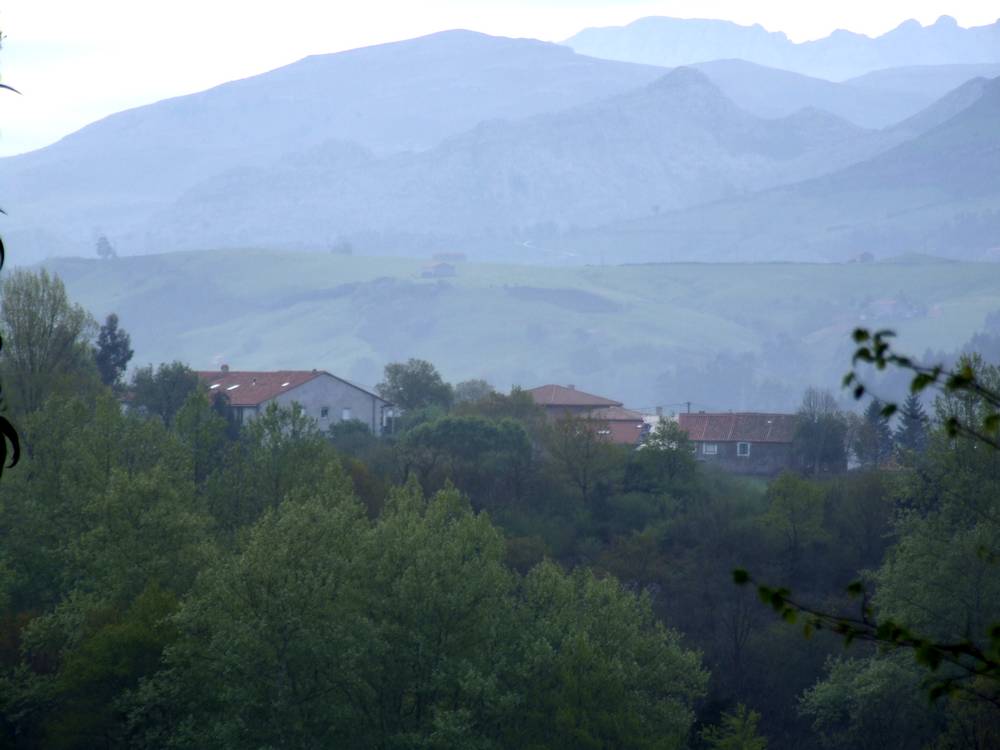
(740, 577)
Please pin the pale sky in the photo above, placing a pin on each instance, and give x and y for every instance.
(78, 60)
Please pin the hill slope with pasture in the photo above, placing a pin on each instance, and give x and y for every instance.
(728, 336)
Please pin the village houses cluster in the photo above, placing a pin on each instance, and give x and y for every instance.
(743, 443)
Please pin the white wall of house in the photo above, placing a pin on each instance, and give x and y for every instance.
(329, 400)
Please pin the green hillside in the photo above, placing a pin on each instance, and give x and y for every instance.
(722, 335)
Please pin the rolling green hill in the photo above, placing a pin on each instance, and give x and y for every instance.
(722, 335)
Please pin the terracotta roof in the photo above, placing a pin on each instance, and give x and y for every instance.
(248, 388)
(746, 427)
(616, 414)
(252, 388)
(559, 395)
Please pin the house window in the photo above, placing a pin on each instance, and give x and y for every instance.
(324, 412)
(743, 450)
(710, 449)
(345, 414)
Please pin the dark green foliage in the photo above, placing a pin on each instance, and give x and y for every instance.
(113, 352)
(47, 340)
(872, 441)
(415, 384)
(163, 391)
(472, 390)
(911, 431)
(820, 442)
(488, 460)
(736, 731)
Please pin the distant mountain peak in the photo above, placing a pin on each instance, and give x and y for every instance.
(683, 76)
(688, 84)
(844, 54)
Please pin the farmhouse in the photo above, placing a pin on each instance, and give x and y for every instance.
(324, 397)
(618, 424)
(743, 443)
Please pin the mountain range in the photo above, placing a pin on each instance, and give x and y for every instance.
(937, 193)
(841, 55)
(522, 150)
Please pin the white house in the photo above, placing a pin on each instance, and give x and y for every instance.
(324, 397)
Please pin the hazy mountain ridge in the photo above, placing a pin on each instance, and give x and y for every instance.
(936, 193)
(111, 175)
(674, 143)
(498, 146)
(843, 54)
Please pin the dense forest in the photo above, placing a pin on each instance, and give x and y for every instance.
(479, 578)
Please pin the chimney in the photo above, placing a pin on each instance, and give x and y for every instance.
(224, 368)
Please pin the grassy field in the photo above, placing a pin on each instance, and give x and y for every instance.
(723, 335)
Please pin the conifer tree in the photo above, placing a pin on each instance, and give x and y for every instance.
(911, 434)
(113, 352)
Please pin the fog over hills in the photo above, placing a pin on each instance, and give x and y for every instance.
(508, 149)
(873, 103)
(408, 95)
(730, 336)
(937, 193)
(674, 143)
(842, 54)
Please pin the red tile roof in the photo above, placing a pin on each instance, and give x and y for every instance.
(746, 427)
(246, 388)
(616, 414)
(559, 395)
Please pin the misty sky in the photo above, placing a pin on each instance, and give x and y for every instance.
(79, 61)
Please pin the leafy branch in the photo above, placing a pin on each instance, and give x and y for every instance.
(973, 662)
(875, 349)
(10, 443)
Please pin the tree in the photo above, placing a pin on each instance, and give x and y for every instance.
(872, 441)
(911, 433)
(113, 352)
(583, 456)
(821, 433)
(415, 384)
(163, 391)
(664, 462)
(470, 391)
(737, 731)
(204, 433)
(795, 516)
(488, 460)
(869, 704)
(950, 643)
(104, 249)
(48, 339)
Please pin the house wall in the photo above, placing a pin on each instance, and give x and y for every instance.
(765, 459)
(335, 395)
